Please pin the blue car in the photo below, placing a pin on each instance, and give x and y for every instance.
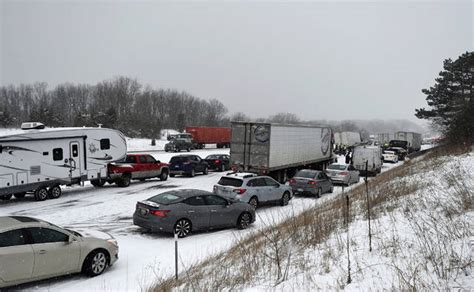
(187, 165)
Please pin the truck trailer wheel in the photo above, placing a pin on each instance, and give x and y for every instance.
(55, 192)
(6, 197)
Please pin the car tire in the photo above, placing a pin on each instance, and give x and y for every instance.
(55, 192)
(253, 202)
(285, 199)
(124, 181)
(20, 195)
(244, 220)
(41, 194)
(192, 173)
(164, 175)
(98, 182)
(96, 263)
(319, 193)
(6, 197)
(206, 171)
(183, 228)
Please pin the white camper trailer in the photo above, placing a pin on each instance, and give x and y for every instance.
(40, 160)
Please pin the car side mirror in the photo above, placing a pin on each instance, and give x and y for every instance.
(71, 239)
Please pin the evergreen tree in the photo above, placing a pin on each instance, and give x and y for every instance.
(451, 100)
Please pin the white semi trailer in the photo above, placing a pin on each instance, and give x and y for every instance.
(40, 160)
(279, 150)
(414, 140)
(347, 138)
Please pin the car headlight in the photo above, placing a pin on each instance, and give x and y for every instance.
(113, 242)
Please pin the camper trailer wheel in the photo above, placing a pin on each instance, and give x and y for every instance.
(55, 192)
(6, 197)
(98, 182)
(41, 194)
(20, 195)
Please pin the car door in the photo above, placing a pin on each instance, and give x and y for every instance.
(153, 168)
(143, 168)
(196, 209)
(266, 192)
(255, 188)
(200, 164)
(54, 254)
(273, 188)
(16, 256)
(322, 181)
(327, 182)
(222, 215)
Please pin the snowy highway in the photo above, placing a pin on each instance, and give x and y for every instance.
(142, 256)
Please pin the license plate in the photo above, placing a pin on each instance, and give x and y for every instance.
(176, 166)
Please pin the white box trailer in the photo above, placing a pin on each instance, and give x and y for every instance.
(40, 160)
(279, 150)
(347, 138)
(414, 140)
(383, 138)
(367, 158)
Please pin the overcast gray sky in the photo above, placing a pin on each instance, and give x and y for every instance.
(319, 60)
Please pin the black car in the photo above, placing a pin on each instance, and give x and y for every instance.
(220, 162)
(177, 145)
(187, 165)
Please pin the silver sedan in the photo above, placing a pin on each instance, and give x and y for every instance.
(343, 173)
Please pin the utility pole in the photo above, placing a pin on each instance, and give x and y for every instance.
(349, 280)
(368, 202)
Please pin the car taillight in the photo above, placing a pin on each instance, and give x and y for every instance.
(292, 181)
(217, 161)
(159, 213)
(312, 182)
(239, 191)
(344, 173)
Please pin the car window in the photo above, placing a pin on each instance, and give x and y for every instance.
(178, 159)
(195, 201)
(131, 159)
(320, 175)
(150, 159)
(46, 235)
(229, 181)
(351, 167)
(197, 158)
(324, 175)
(306, 174)
(270, 182)
(165, 198)
(142, 159)
(12, 238)
(257, 182)
(212, 157)
(216, 200)
(337, 166)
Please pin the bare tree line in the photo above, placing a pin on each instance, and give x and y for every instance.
(121, 103)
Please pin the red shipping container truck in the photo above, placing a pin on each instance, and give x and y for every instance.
(210, 135)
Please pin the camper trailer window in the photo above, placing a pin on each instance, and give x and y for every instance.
(104, 144)
(75, 150)
(57, 154)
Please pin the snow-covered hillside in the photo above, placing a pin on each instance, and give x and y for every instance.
(422, 214)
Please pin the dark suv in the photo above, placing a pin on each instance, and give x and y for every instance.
(178, 144)
(188, 165)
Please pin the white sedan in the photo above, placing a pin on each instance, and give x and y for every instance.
(390, 156)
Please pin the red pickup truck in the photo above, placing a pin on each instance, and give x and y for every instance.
(135, 166)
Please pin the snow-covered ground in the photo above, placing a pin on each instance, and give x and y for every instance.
(142, 255)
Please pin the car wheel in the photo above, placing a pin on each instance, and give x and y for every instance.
(192, 173)
(164, 175)
(206, 171)
(55, 192)
(254, 202)
(244, 220)
(285, 199)
(6, 197)
(124, 181)
(95, 263)
(319, 193)
(20, 195)
(182, 228)
(98, 182)
(41, 194)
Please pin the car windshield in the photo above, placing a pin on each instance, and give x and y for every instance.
(178, 159)
(337, 167)
(228, 181)
(213, 157)
(306, 174)
(165, 198)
